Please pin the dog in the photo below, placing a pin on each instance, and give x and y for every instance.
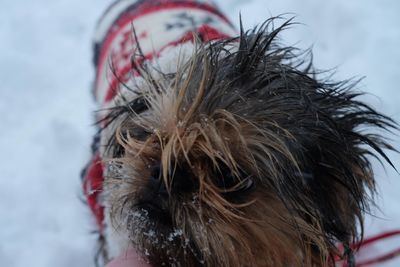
(224, 148)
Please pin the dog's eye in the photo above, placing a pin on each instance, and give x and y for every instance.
(244, 185)
(248, 183)
(230, 182)
(139, 133)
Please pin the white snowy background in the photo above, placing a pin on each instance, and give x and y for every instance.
(46, 110)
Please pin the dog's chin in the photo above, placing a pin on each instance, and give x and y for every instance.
(152, 233)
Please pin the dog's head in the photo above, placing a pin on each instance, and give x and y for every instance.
(241, 158)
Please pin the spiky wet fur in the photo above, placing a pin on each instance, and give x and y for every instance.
(243, 157)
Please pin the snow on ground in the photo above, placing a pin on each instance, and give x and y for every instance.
(45, 76)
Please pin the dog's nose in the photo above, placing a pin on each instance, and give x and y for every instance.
(156, 172)
(157, 183)
(183, 180)
(180, 177)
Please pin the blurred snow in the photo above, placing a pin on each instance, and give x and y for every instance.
(45, 77)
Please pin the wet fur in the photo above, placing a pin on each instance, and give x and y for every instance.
(243, 157)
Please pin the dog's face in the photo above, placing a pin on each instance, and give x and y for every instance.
(240, 159)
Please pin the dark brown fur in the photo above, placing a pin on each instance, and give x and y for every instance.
(242, 158)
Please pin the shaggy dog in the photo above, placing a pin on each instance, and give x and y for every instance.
(224, 149)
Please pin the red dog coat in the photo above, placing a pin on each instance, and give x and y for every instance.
(158, 26)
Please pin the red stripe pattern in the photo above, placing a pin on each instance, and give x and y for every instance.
(158, 25)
